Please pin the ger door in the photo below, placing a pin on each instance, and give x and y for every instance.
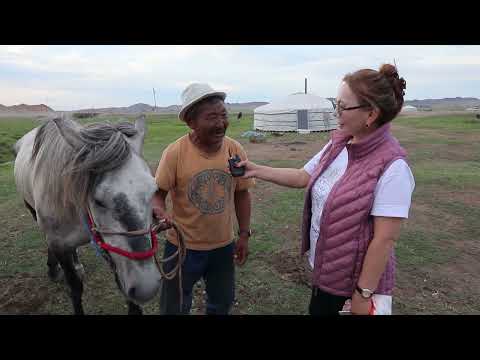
(302, 119)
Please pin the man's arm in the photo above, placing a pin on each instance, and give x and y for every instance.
(243, 205)
(159, 207)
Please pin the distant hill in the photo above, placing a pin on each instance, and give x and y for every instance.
(26, 108)
(140, 108)
(172, 109)
(133, 109)
(457, 103)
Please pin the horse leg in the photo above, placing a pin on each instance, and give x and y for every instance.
(78, 265)
(31, 209)
(134, 309)
(54, 269)
(73, 280)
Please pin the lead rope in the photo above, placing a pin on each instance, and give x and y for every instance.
(180, 253)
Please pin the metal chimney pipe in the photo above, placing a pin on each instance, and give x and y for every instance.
(305, 85)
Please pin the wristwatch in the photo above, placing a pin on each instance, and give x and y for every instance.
(364, 293)
(247, 232)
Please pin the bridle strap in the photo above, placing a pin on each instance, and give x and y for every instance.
(180, 254)
(94, 227)
(124, 233)
(96, 234)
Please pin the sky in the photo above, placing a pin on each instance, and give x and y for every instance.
(73, 77)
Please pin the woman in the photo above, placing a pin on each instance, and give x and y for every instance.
(358, 192)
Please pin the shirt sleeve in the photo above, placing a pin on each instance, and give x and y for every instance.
(243, 184)
(313, 163)
(394, 190)
(167, 169)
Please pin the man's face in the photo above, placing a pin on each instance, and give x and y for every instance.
(211, 123)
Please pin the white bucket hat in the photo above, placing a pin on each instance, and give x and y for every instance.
(194, 93)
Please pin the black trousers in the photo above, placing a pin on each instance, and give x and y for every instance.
(325, 304)
(215, 266)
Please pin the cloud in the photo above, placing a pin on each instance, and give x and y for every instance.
(122, 75)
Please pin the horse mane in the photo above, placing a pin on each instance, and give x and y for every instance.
(69, 173)
(16, 147)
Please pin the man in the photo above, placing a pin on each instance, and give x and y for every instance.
(193, 170)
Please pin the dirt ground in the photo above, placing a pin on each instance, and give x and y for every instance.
(450, 287)
(22, 294)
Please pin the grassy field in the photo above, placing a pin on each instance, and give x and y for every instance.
(437, 253)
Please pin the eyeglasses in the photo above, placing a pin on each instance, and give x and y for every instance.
(339, 108)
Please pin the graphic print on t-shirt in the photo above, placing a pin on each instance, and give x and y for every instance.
(321, 190)
(209, 190)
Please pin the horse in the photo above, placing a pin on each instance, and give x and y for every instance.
(90, 183)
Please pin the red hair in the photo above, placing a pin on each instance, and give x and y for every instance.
(382, 89)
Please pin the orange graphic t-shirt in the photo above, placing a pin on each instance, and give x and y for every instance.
(202, 192)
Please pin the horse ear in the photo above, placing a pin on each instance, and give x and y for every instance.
(137, 141)
(68, 133)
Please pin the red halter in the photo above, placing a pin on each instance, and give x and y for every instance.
(96, 233)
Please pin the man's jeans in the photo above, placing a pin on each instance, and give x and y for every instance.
(214, 266)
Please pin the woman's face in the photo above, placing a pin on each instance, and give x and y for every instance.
(352, 115)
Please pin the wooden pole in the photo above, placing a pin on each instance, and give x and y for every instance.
(155, 101)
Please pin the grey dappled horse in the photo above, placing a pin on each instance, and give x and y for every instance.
(80, 180)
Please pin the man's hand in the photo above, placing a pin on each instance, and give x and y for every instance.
(165, 219)
(159, 210)
(241, 250)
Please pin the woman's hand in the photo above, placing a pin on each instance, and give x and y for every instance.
(251, 169)
(360, 306)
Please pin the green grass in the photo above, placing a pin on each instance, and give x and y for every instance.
(434, 139)
(267, 293)
(7, 183)
(21, 254)
(12, 129)
(448, 174)
(470, 215)
(444, 164)
(417, 247)
(272, 215)
(456, 123)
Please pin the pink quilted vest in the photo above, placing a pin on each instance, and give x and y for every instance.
(346, 226)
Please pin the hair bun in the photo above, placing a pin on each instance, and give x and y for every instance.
(398, 84)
